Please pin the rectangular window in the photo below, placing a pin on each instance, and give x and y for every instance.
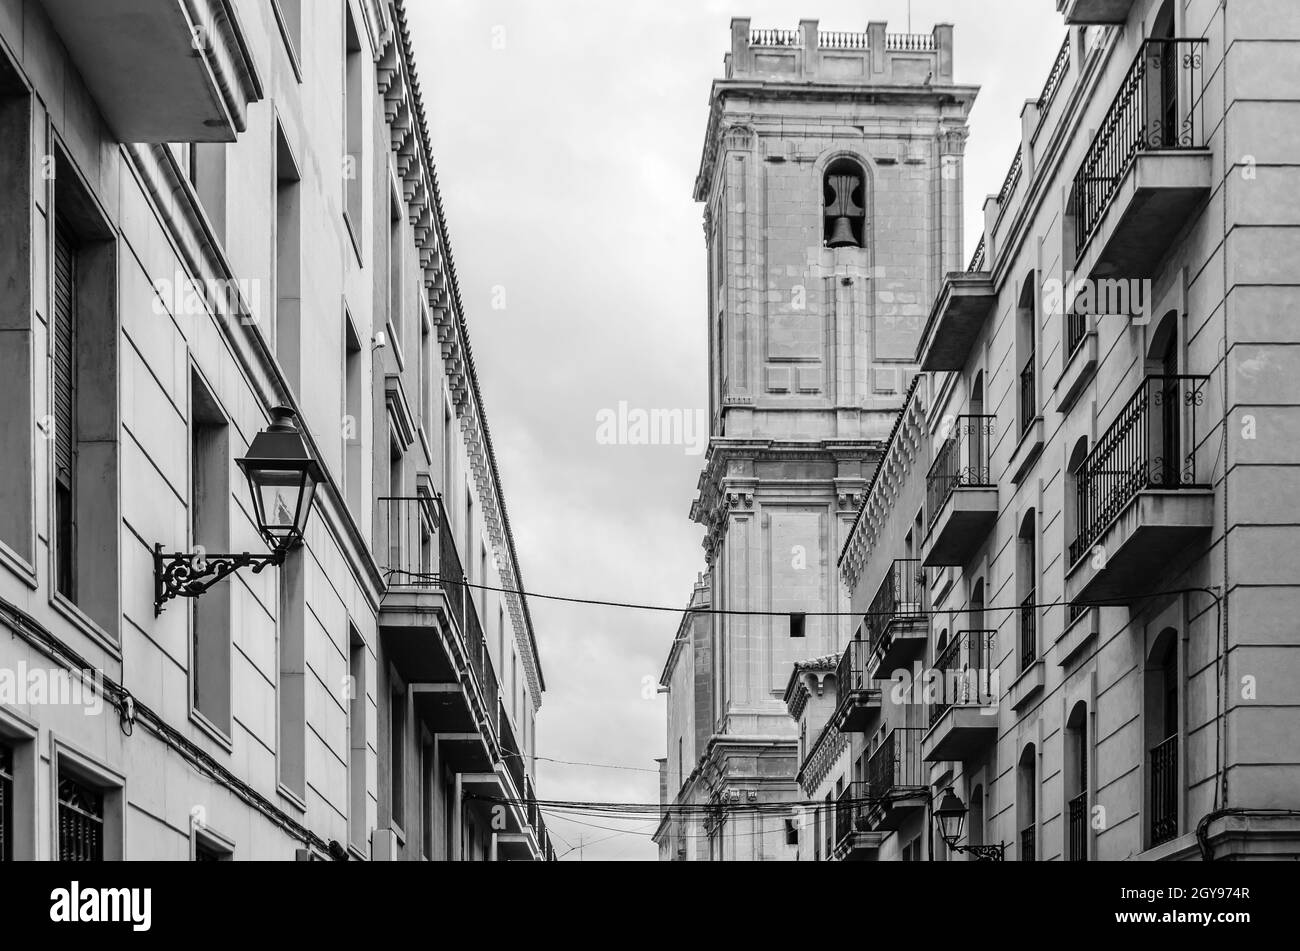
(292, 694)
(211, 847)
(287, 322)
(426, 799)
(353, 77)
(17, 412)
(206, 165)
(81, 821)
(354, 415)
(514, 684)
(289, 15)
(501, 637)
(446, 447)
(357, 742)
(397, 752)
(395, 287)
(83, 400)
(210, 532)
(6, 803)
(426, 377)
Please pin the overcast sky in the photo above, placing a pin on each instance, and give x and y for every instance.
(567, 135)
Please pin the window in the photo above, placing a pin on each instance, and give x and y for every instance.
(501, 637)
(81, 821)
(206, 166)
(426, 375)
(208, 846)
(83, 401)
(353, 145)
(397, 752)
(288, 14)
(1026, 351)
(514, 683)
(357, 742)
(483, 580)
(288, 261)
(975, 821)
(1027, 586)
(6, 803)
(292, 693)
(1162, 716)
(210, 649)
(16, 334)
(1076, 782)
(354, 415)
(446, 446)
(426, 798)
(1027, 803)
(396, 326)
(844, 214)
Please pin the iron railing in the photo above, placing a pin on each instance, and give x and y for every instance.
(965, 671)
(1027, 843)
(511, 752)
(1156, 109)
(1164, 791)
(420, 552)
(1028, 394)
(6, 804)
(1076, 330)
(962, 462)
(1013, 178)
(1151, 445)
(899, 598)
(1079, 828)
(1056, 77)
(979, 258)
(850, 807)
(81, 822)
(1029, 630)
(896, 765)
(851, 671)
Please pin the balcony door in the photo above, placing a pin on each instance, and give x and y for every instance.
(1166, 417)
(1162, 89)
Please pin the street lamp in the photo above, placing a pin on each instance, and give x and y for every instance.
(950, 817)
(282, 478)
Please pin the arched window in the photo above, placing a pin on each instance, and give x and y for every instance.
(1162, 715)
(1027, 803)
(1076, 781)
(1026, 351)
(1077, 503)
(1027, 588)
(844, 205)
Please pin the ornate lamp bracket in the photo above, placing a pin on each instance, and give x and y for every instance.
(190, 574)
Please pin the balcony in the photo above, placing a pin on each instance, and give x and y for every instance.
(1081, 358)
(1140, 502)
(431, 627)
(963, 723)
(1148, 168)
(161, 70)
(853, 841)
(859, 698)
(1078, 809)
(1028, 843)
(964, 304)
(961, 495)
(896, 789)
(1095, 12)
(896, 622)
(1164, 791)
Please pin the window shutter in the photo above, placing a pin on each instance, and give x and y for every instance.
(64, 352)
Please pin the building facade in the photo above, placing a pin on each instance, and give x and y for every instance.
(1072, 564)
(217, 209)
(831, 181)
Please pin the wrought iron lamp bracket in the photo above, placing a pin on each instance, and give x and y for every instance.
(983, 853)
(190, 574)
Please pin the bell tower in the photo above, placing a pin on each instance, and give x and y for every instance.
(831, 181)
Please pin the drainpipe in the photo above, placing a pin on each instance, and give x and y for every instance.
(457, 827)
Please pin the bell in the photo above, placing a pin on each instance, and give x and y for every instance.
(842, 235)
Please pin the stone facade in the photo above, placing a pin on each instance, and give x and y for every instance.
(253, 221)
(831, 182)
(1095, 482)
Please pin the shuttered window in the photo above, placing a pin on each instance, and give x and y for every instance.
(65, 390)
(81, 822)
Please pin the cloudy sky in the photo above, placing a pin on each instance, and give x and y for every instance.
(567, 135)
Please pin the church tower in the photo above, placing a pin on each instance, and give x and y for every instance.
(831, 182)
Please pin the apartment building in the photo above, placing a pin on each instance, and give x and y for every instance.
(223, 222)
(1073, 566)
(831, 181)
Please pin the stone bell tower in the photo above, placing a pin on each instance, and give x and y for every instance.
(831, 181)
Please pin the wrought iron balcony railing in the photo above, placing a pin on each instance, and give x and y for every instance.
(1027, 843)
(1079, 828)
(965, 670)
(1076, 330)
(1029, 630)
(900, 597)
(1164, 791)
(850, 807)
(896, 765)
(962, 462)
(1028, 395)
(1156, 109)
(510, 751)
(419, 552)
(1151, 445)
(851, 671)
(979, 259)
